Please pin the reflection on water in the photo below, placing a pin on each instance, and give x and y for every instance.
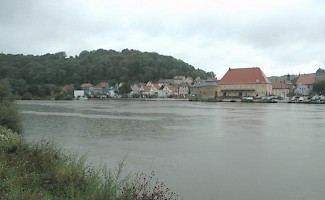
(202, 150)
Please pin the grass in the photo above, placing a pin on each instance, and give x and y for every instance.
(44, 171)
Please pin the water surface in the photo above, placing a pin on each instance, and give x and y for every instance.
(201, 150)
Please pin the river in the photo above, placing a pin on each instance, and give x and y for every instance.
(226, 151)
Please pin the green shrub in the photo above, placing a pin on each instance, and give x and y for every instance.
(27, 96)
(9, 116)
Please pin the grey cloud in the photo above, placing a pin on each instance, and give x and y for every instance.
(285, 37)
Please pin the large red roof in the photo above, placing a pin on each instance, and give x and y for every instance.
(306, 79)
(244, 75)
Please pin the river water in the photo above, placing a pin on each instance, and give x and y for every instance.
(226, 151)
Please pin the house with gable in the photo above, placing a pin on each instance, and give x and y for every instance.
(137, 88)
(189, 80)
(282, 88)
(170, 90)
(87, 88)
(304, 84)
(183, 89)
(151, 89)
(238, 82)
(101, 88)
(178, 79)
(198, 80)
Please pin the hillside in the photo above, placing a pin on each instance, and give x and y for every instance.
(34, 74)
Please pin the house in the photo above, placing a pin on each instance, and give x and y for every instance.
(164, 92)
(207, 89)
(198, 80)
(302, 90)
(104, 85)
(87, 88)
(170, 90)
(189, 80)
(136, 88)
(165, 81)
(77, 94)
(156, 86)
(183, 89)
(150, 91)
(240, 82)
(178, 80)
(304, 84)
(282, 87)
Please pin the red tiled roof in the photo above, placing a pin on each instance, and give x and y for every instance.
(244, 75)
(86, 85)
(306, 79)
(146, 88)
(156, 85)
(102, 85)
(281, 84)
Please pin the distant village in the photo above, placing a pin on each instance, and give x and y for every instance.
(237, 83)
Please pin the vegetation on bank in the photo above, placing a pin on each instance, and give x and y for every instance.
(9, 116)
(44, 171)
(41, 76)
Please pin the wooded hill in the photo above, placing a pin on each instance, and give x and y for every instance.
(27, 72)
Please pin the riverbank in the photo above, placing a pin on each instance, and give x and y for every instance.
(234, 100)
(44, 171)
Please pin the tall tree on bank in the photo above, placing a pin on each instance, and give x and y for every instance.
(319, 87)
(9, 116)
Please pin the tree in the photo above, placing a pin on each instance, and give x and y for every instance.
(9, 116)
(319, 87)
(125, 89)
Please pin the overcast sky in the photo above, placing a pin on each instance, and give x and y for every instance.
(280, 36)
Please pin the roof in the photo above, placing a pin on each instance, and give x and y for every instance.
(102, 85)
(244, 75)
(156, 85)
(171, 87)
(86, 85)
(146, 88)
(281, 84)
(179, 77)
(306, 79)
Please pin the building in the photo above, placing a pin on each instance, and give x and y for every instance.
(183, 89)
(77, 94)
(189, 80)
(207, 89)
(87, 88)
(178, 79)
(320, 75)
(170, 90)
(281, 88)
(240, 82)
(304, 84)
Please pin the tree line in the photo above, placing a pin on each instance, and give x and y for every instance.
(39, 75)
